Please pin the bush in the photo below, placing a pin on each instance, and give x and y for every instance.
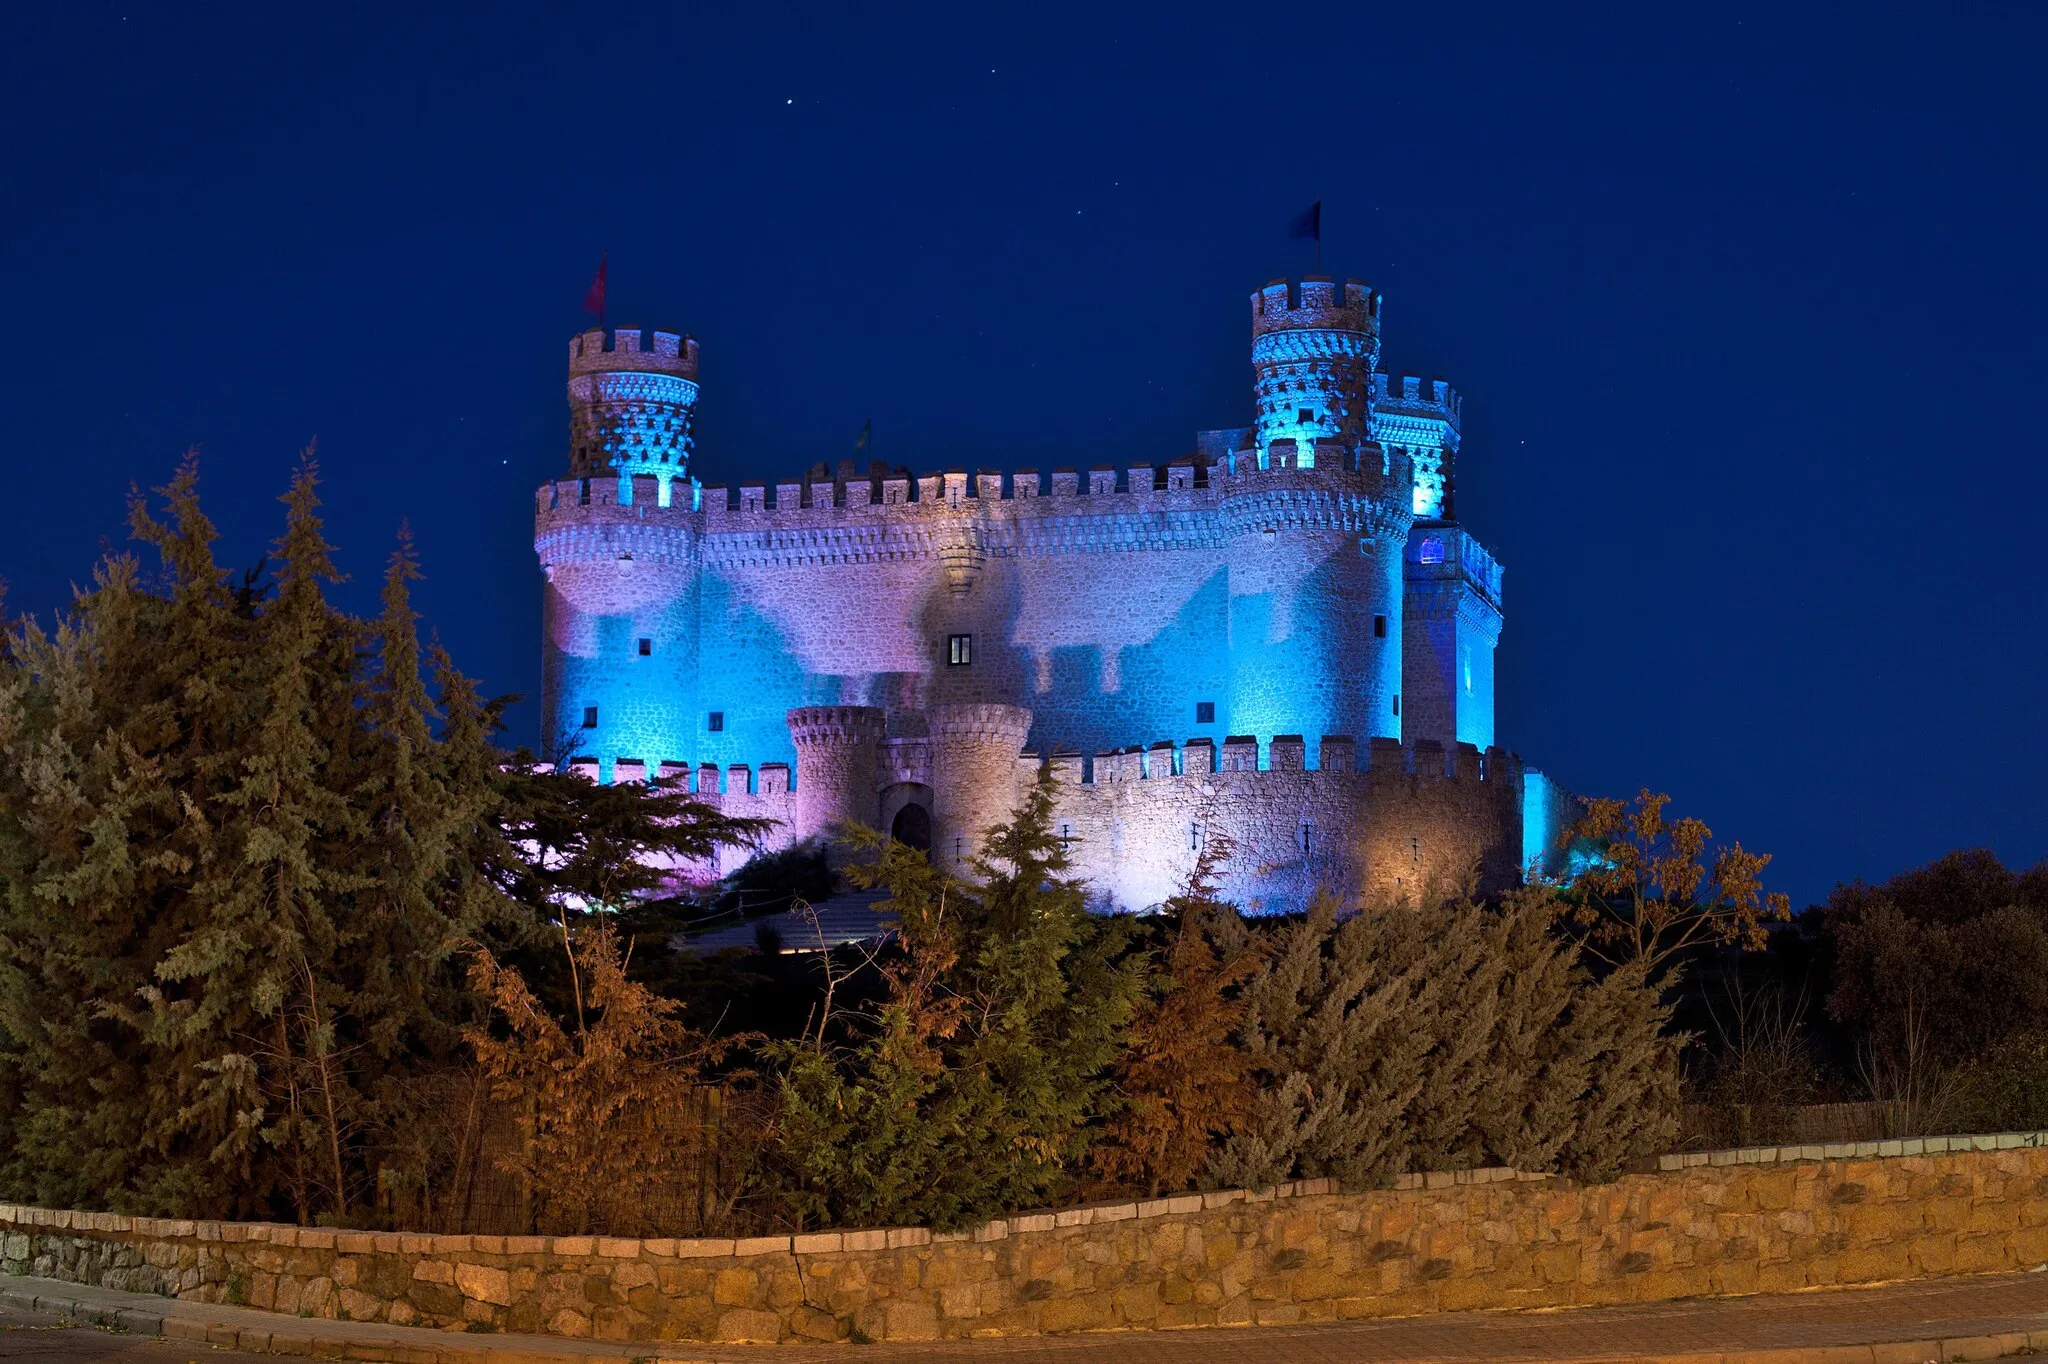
(1393, 1041)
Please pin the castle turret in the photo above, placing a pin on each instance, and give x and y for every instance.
(835, 766)
(974, 751)
(620, 553)
(1314, 528)
(1314, 345)
(630, 410)
(1423, 418)
(1453, 619)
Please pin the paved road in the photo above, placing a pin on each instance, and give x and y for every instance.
(1939, 1319)
(47, 1340)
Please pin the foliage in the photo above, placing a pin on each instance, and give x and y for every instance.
(1392, 1041)
(1182, 1084)
(773, 879)
(971, 1088)
(1646, 893)
(1762, 1055)
(1942, 963)
(240, 841)
(605, 1103)
(2005, 1089)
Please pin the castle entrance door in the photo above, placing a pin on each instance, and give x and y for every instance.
(912, 827)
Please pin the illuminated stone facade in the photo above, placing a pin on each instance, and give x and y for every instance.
(1282, 637)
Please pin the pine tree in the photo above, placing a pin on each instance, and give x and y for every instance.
(1182, 1084)
(973, 1087)
(1395, 1041)
(605, 1101)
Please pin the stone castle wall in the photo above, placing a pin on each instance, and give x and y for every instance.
(1108, 613)
(1735, 1222)
(1383, 824)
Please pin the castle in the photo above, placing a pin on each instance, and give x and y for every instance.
(1283, 636)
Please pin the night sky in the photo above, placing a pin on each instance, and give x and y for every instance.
(1747, 302)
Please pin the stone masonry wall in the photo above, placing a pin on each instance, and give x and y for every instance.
(1726, 1223)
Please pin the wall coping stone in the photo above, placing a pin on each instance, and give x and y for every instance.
(1850, 1150)
(357, 1242)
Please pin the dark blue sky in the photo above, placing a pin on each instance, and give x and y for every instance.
(1748, 304)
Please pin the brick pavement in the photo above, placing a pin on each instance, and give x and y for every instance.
(1940, 1319)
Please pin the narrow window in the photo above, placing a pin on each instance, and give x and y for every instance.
(1379, 628)
(1304, 415)
(959, 650)
(1066, 837)
(1308, 830)
(590, 717)
(646, 647)
(583, 493)
(1195, 836)
(715, 722)
(1397, 703)
(1205, 712)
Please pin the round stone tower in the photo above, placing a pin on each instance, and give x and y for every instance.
(1314, 346)
(974, 775)
(1315, 527)
(630, 410)
(835, 766)
(619, 546)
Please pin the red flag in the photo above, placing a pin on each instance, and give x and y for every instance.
(593, 301)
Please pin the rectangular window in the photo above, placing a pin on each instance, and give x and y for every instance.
(1308, 830)
(1379, 628)
(1397, 704)
(1205, 712)
(1304, 415)
(715, 722)
(590, 717)
(646, 647)
(959, 649)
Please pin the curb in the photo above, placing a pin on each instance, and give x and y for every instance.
(254, 1331)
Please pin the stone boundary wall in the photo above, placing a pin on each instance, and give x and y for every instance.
(1760, 1220)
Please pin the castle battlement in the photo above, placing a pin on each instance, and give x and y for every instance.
(1409, 396)
(1239, 757)
(1315, 302)
(632, 350)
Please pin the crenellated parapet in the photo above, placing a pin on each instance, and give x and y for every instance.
(1315, 303)
(623, 351)
(1446, 556)
(1425, 419)
(1026, 514)
(1424, 760)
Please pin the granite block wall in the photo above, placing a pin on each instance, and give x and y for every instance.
(1733, 1222)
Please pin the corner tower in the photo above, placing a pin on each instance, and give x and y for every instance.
(619, 545)
(1425, 419)
(1315, 517)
